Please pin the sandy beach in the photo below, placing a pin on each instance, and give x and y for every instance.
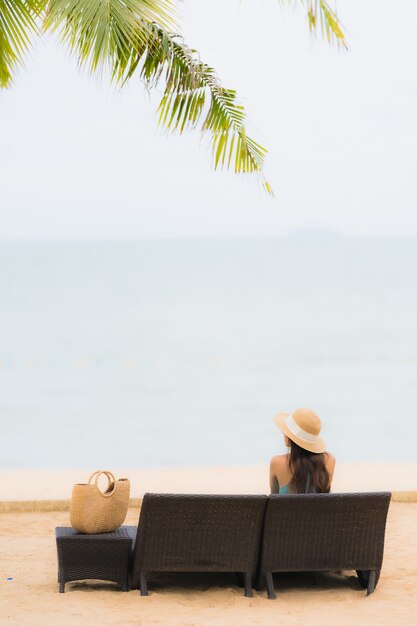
(28, 552)
(29, 591)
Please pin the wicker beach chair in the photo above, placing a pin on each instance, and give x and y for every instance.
(198, 533)
(324, 532)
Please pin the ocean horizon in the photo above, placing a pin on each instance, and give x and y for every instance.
(178, 352)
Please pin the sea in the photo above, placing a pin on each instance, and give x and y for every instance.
(167, 353)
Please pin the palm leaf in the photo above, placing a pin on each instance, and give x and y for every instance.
(319, 10)
(103, 33)
(17, 25)
(321, 15)
(189, 85)
(330, 24)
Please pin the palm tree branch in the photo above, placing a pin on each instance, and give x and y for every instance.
(17, 25)
(188, 82)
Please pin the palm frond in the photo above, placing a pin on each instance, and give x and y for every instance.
(319, 10)
(193, 96)
(103, 32)
(321, 15)
(17, 25)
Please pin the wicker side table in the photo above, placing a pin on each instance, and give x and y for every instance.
(101, 557)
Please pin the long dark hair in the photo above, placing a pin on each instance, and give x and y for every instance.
(309, 473)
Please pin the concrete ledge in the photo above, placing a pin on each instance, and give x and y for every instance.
(57, 484)
(404, 496)
(49, 506)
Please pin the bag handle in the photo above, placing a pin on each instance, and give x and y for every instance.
(110, 479)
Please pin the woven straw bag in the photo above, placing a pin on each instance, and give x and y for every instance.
(95, 511)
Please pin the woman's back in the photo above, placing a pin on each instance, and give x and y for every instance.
(282, 476)
(307, 468)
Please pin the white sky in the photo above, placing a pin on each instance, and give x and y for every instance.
(79, 159)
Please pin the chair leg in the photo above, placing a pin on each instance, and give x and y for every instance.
(143, 584)
(270, 585)
(248, 584)
(61, 586)
(371, 583)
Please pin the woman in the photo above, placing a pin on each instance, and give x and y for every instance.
(307, 468)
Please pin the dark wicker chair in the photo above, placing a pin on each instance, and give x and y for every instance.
(198, 533)
(322, 532)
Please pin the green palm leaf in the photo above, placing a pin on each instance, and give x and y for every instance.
(17, 25)
(319, 11)
(104, 32)
(321, 15)
(124, 35)
(193, 96)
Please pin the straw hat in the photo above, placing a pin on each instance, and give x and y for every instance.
(303, 427)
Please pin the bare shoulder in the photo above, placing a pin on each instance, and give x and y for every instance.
(330, 462)
(279, 472)
(278, 461)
